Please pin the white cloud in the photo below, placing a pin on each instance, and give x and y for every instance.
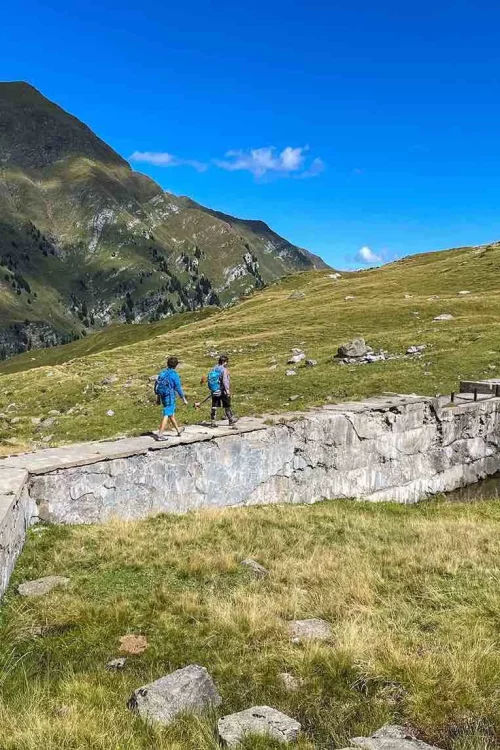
(366, 255)
(260, 161)
(164, 159)
(290, 161)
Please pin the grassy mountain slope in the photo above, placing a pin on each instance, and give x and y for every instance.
(259, 333)
(85, 241)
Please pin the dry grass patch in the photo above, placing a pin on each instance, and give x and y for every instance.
(411, 594)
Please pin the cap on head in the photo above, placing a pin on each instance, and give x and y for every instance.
(172, 362)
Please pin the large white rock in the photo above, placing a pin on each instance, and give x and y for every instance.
(259, 720)
(190, 689)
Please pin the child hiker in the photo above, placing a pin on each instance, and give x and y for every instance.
(219, 385)
(167, 385)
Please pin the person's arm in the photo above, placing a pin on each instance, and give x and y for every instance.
(226, 381)
(178, 388)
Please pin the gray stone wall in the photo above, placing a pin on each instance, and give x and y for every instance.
(400, 449)
(16, 510)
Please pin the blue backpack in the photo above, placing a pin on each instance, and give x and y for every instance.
(164, 385)
(214, 381)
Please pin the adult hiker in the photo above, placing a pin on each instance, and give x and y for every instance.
(219, 385)
(167, 387)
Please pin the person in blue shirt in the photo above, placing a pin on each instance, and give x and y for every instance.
(167, 387)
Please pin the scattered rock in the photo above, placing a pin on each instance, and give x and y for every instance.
(15, 420)
(110, 413)
(391, 737)
(290, 372)
(408, 296)
(297, 295)
(290, 682)
(418, 349)
(334, 276)
(152, 378)
(260, 720)
(294, 398)
(35, 420)
(354, 348)
(49, 422)
(463, 292)
(255, 567)
(349, 297)
(432, 298)
(11, 407)
(54, 413)
(273, 367)
(272, 361)
(190, 689)
(47, 438)
(109, 380)
(115, 665)
(444, 316)
(41, 586)
(296, 359)
(314, 629)
(133, 644)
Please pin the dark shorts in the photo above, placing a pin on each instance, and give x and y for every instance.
(221, 400)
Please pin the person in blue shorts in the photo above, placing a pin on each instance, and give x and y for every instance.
(167, 387)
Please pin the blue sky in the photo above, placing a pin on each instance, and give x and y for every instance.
(343, 125)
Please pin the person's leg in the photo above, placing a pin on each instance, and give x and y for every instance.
(173, 422)
(163, 425)
(213, 411)
(226, 402)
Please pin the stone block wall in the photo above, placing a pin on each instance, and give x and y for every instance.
(399, 448)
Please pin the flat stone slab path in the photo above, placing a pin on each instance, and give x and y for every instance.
(82, 454)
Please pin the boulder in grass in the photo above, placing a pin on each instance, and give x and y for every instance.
(42, 586)
(257, 569)
(463, 292)
(311, 362)
(355, 348)
(296, 358)
(306, 630)
(259, 720)
(391, 737)
(444, 316)
(289, 373)
(297, 295)
(190, 690)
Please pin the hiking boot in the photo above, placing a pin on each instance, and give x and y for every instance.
(180, 431)
(233, 421)
(161, 436)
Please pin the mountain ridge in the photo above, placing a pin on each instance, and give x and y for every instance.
(85, 240)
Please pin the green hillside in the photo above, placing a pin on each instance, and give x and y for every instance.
(86, 241)
(393, 308)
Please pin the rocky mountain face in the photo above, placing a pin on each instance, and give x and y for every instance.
(85, 240)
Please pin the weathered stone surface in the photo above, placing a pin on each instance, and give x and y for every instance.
(259, 720)
(296, 358)
(391, 737)
(42, 586)
(259, 570)
(190, 689)
(311, 363)
(307, 630)
(444, 316)
(354, 348)
(16, 513)
(297, 295)
(290, 682)
(115, 665)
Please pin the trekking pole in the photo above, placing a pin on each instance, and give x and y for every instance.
(197, 404)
